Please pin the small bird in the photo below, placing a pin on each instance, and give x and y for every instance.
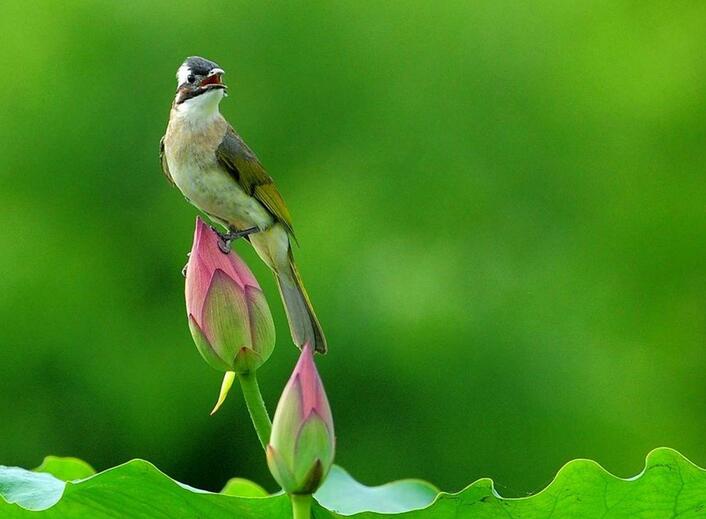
(203, 156)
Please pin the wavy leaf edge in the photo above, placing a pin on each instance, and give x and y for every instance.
(657, 457)
(650, 461)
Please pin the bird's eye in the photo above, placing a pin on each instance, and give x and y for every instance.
(191, 78)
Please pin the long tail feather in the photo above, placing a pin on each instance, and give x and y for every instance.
(303, 323)
(273, 246)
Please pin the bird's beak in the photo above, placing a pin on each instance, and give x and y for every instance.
(215, 77)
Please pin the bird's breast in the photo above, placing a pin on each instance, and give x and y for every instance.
(207, 185)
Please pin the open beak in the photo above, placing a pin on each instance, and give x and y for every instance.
(214, 81)
(215, 77)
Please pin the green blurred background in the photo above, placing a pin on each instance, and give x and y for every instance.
(502, 215)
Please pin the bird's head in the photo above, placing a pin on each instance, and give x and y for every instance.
(199, 84)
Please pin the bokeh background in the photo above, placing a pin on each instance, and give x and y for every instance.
(502, 215)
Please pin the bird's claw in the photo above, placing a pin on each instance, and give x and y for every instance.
(224, 245)
(225, 239)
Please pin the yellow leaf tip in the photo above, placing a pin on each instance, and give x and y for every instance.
(227, 383)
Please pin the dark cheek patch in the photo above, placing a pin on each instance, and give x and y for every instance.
(185, 95)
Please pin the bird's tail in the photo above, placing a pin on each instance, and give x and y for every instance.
(303, 323)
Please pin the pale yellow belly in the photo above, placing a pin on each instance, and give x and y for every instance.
(216, 193)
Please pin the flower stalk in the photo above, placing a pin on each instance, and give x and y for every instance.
(301, 506)
(256, 407)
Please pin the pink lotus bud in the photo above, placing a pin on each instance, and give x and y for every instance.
(228, 315)
(302, 444)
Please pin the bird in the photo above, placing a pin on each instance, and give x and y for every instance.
(207, 160)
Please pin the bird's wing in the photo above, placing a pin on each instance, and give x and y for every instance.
(235, 156)
(163, 160)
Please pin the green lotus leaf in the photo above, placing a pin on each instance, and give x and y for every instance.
(669, 486)
(239, 487)
(66, 469)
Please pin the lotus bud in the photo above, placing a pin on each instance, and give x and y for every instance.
(229, 318)
(302, 444)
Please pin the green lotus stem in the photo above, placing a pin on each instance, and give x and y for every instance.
(256, 407)
(301, 506)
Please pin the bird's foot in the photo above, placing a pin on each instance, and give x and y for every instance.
(224, 245)
(225, 239)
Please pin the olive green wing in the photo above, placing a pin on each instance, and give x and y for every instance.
(234, 155)
(163, 160)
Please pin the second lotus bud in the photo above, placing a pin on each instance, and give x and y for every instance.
(228, 315)
(302, 444)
